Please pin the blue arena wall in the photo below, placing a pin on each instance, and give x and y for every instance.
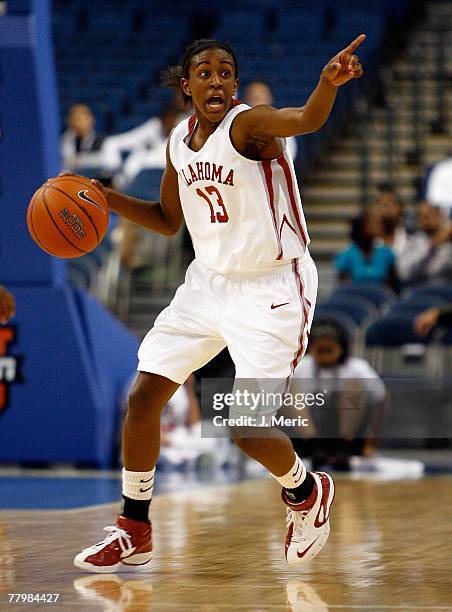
(64, 360)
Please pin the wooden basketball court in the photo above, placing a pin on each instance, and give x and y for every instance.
(221, 548)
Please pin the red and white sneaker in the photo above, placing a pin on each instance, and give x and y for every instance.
(127, 546)
(308, 523)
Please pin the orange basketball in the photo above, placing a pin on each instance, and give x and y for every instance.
(68, 216)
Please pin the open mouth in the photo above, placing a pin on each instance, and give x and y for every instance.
(215, 103)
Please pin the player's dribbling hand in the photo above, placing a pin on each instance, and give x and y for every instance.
(345, 65)
(7, 305)
(95, 182)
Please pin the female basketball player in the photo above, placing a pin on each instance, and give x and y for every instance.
(251, 287)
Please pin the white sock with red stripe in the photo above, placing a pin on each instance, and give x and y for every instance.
(294, 477)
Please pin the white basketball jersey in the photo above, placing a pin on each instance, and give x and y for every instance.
(242, 215)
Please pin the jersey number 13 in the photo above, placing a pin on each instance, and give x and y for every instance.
(220, 216)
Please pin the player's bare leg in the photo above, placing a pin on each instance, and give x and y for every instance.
(129, 543)
(308, 495)
(141, 433)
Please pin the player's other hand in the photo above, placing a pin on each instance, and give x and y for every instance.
(424, 322)
(345, 65)
(7, 305)
(95, 182)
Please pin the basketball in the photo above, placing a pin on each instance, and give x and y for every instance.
(68, 216)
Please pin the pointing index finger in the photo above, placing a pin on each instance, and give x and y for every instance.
(355, 44)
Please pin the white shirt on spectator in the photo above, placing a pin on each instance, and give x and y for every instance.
(419, 262)
(353, 368)
(439, 184)
(144, 136)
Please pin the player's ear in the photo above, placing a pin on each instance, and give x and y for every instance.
(185, 87)
(236, 86)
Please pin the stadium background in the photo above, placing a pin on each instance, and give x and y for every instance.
(78, 322)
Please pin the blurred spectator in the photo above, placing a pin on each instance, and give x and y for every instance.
(7, 305)
(355, 396)
(135, 242)
(80, 137)
(144, 138)
(153, 153)
(432, 317)
(365, 260)
(439, 184)
(391, 212)
(181, 441)
(259, 92)
(429, 254)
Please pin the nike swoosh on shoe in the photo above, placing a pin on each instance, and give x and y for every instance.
(303, 553)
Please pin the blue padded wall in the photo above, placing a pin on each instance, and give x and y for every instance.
(72, 359)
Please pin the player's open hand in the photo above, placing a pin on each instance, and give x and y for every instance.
(95, 182)
(7, 305)
(345, 65)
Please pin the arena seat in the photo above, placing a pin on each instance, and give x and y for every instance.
(379, 295)
(343, 319)
(146, 184)
(393, 331)
(413, 307)
(443, 291)
(359, 310)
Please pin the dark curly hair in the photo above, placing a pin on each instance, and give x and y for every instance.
(331, 328)
(172, 76)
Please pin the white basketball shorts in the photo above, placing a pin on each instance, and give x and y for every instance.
(263, 318)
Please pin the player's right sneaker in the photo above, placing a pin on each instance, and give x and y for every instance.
(308, 523)
(128, 546)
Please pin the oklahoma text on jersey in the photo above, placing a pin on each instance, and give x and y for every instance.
(206, 171)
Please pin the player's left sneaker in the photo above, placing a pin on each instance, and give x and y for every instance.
(308, 523)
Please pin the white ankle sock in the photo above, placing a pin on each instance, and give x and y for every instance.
(294, 477)
(137, 485)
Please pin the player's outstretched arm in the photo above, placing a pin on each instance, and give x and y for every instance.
(164, 217)
(265, 121)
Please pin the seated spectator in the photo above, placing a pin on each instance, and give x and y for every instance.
(365, 260)
(432, 317)
(80, 137)
(428, 257)
(439, 184)
(145, 137)
(355, 396)
(391, 212)
(259, 92)
(181, 442)
(152, 154)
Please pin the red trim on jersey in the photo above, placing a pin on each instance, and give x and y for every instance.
(288, 175)
(191, 127)
(267, 167)
(305, 316)
(287, 222)
(236, 102)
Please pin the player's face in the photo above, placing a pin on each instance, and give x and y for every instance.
(326, 352)
(211, 84)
